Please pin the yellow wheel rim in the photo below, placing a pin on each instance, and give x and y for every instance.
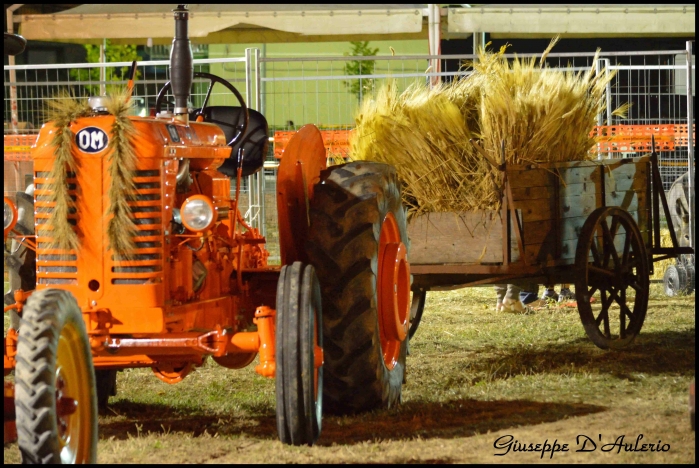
(73, 409)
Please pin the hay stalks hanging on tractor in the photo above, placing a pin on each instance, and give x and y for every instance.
(64, 111)
(122, 164)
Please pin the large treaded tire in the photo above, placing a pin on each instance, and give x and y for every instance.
(20, 264)
(54, 358)
(346, 215)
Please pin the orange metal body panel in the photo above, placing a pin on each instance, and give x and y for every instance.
(299, 171)
(147, 311)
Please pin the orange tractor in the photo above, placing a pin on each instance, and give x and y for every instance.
(131, 252)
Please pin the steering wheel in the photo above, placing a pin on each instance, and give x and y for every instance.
(238, 127)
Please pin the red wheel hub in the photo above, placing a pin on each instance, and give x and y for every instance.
(393, 290)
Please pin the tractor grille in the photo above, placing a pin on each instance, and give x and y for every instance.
(54, 266)
(145, 265)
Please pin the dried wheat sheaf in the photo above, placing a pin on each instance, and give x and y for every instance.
(538, 114)
(64, 111)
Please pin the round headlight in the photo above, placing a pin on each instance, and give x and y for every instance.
(198, 213)
(10, 215)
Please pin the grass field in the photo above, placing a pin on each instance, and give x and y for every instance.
(474, 377)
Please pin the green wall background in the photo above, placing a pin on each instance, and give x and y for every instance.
(324, 102)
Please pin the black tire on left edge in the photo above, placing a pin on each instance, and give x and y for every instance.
(20, 264)
(55, 395)
(299, 383)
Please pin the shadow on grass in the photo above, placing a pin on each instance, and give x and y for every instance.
(451, 419)
(654, 353)
(455, 418)
(125, 419)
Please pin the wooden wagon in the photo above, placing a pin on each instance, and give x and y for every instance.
(594, 224)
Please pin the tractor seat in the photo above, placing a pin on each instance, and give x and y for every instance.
(254, 142)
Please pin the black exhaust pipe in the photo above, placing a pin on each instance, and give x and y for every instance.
(181, 61)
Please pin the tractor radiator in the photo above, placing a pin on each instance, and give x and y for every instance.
(60, 267)
(54, 266)
(145, 264)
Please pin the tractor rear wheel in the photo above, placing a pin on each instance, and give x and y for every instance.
(55, 396)
(358, 244)
(299, 356)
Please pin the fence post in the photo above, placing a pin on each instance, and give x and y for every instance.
(607, 67)
(690, 143)
(434, 23)
(14, 119)
(259, 106)
(248, 76)
(103, 69)
(600, 116)
(255, 197)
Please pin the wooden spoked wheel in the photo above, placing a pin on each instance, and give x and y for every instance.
(611, 286)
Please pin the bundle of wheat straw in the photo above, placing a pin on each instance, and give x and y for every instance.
(122, 162)
(660, 266)
(122, 165)
(541, 114)
(62, 111)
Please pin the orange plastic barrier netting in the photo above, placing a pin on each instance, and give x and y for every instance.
(336, 142)
(637, 138)
(613, 139)
(18, 147)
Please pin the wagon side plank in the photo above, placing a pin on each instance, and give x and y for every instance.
(469, 238)
(553, 202)
(544, 254)
(552, 226)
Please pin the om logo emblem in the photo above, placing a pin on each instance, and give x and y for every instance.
(91, 140)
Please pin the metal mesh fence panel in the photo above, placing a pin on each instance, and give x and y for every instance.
(327, 91)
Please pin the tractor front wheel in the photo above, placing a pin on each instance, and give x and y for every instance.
(299, 355)
(55, 395)
(358, 244)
